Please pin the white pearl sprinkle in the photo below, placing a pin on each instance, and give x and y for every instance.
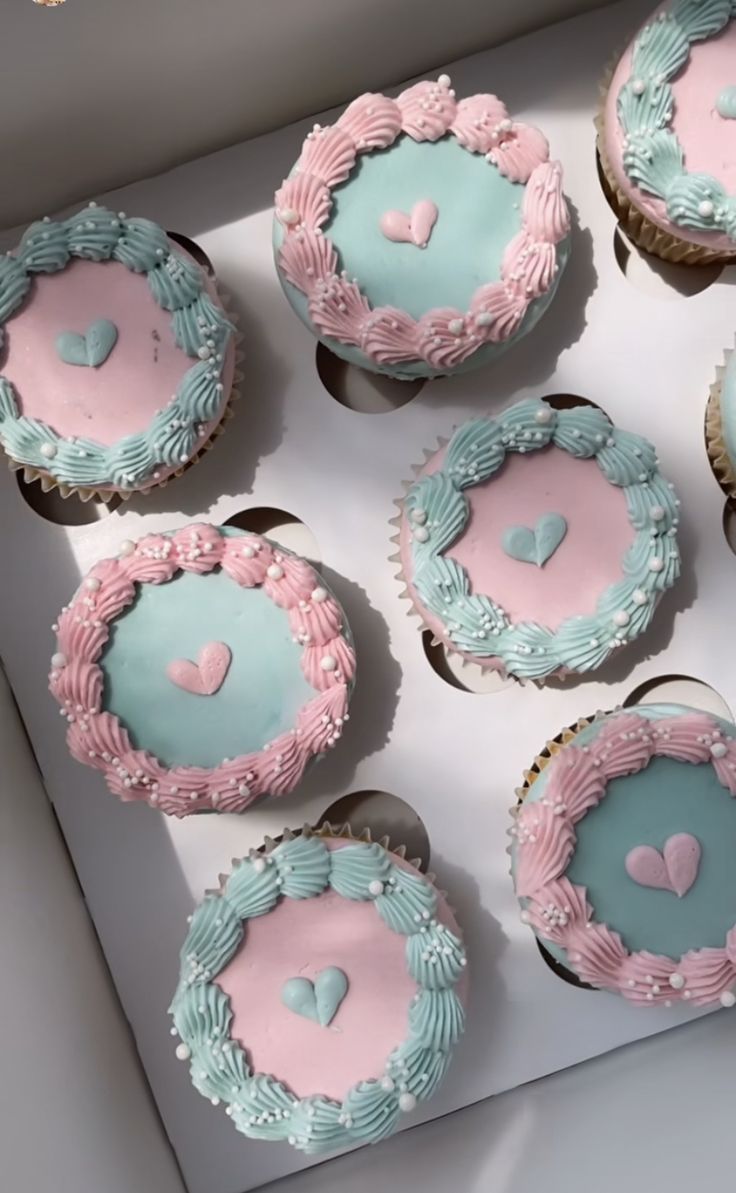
(407, 1102)
(182, 1052)
(421, 534)
(705, 209)
(657, 513)
(718, 749)
(655, 565)
(274, 571)
(204, 353)
(92, 584)
(48, 451)
(418, 516)
(677, 981)
(259, 865)
(543, 416)
(328, 662)
(639, 597)
(728, 998)
(444, 80)
(289, 216)
(58, 661)
(127, 547)
(621, 617)
(484, 319)
(387, 1083)
(375, 887)
(455, 327)
(638, 86)
(319, 595)
(244, 790)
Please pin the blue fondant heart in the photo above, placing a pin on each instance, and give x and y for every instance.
(317, 1000)
(537, 545)
(91, 347)
(726, 103)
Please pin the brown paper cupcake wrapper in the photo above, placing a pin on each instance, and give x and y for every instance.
(48, 482)
(720, 461)
(638, 227)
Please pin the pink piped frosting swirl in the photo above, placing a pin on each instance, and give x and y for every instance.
(97, 738)
(441, 338)
(545, 838)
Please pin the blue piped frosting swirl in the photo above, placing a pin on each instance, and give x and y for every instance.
(474, 623)
(652, 156)
(258, 1104)
(200, 329)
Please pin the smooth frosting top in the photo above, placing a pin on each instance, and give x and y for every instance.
(421, 228)
(202, 669)
(502, 543)
(623, 855)
(671, 121)
(116, 357)
(320, 993)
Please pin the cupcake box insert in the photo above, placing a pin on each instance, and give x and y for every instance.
(456, 757)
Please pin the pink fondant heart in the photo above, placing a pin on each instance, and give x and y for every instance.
(415, 228)
(204, 677)
(675, 869)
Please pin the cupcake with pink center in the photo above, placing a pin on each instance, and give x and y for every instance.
(202, 670)
(117, 358)
(422, 236)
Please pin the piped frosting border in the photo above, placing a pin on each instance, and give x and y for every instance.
(436, 511)
(544, 842)
(653, 157)
(99, 739)
(258, 1104)
(443, 337)
(199, 327)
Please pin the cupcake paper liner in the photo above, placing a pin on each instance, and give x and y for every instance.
(84, 494)
(638, 227)
(720, 461)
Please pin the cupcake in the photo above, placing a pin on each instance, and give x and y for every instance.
(720, 426)
(622, 854)
(667, 133)
(116, 356)
(421, 236)
(329, 1019)
(202, 670)
(539, 541)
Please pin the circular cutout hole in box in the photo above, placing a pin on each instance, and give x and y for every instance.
(658, 278)
(385, 815)
(361, 390)
(281, 527)
(680, 689)
(466, 677)
(65, 511)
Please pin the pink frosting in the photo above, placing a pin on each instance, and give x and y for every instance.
(559, 911)
(299, 938)
(98, 739)
(708, 141)
(443, 338)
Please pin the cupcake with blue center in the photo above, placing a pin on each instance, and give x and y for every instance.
(622, 855)
(202, 670)
(321, 992)
(422, 235)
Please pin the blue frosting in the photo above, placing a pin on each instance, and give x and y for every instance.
(262, 692)
(646, 808)
(479, 212)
